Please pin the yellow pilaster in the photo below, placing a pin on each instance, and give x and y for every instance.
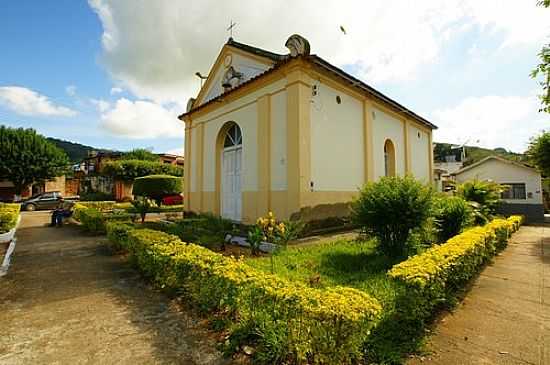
(407, 147)
(431, 154)
(264, 155)
(187, 166)
(367, 134)
(200, 165)
(298, 138)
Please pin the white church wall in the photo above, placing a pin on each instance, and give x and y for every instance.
(244, 112)
(420, 153)
(337, 142)
(385, 126)
(278, 142)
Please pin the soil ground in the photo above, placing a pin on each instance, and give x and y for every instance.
(65, 300)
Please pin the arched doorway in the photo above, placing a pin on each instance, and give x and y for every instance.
(389, 158)
(231, 167)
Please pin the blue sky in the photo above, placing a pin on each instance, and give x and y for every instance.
(114, 74)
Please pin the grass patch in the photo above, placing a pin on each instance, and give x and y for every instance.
(356, 264)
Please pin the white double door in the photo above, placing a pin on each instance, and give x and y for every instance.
(231, 183)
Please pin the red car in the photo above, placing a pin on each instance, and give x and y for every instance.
(172, 200)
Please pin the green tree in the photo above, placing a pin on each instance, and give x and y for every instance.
(128, 170)
(539, 152)
(157, 187)
(28, 157)
(543, 69)
(140, 154)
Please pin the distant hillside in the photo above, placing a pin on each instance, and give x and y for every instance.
(75, 151)
(473, 154)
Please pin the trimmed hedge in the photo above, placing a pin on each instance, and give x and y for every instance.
(8, 216)
(94, 220)
(312, 325)
(433, 276)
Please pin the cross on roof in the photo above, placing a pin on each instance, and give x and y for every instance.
(230, 28)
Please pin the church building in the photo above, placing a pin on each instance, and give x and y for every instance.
(293, 134)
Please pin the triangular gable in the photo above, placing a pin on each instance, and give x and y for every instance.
(247, 63)
(498, 159)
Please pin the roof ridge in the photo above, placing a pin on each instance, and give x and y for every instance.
(256, 50)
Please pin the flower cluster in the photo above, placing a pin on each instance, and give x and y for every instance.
(270, 227)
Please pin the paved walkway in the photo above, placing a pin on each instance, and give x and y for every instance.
(505, 318)
(66, 301)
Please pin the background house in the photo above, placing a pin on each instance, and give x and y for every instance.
(525, 194)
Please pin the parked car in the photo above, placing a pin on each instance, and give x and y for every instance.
(172, 200)
(47, 200)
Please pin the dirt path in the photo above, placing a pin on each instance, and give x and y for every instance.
(66, 301)
(505, 318)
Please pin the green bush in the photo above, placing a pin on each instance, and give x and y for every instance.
(310, 325)
(484, 196)
(117, 233)
(94, 220)
(157, 187)
(128, 170)
(451, 216)
(390, 209)
(96, 196)
(432, 277)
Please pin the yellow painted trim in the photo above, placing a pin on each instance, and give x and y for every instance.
(298, 138)
(368, 142)
(200, 165)
(264, 152)
(407, 146)
(187, 166)
(431, 157)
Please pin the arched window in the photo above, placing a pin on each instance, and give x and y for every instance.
(389, 158)
(233, 137)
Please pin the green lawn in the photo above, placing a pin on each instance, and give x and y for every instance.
(347, 263)
(355, 264)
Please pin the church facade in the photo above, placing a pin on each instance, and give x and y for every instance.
(293, 134)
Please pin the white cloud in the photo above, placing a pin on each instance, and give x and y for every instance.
(496, 121)
(141, 119)
(70, 90)
(28, 102)
(385, 41)
(102, 105)
(116, 90)
(176, 151)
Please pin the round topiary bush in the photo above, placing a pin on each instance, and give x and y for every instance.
(157, 187)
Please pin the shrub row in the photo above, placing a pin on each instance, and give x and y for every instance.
(94, 219)
(289, 321)
(433, 276)
(8, 216)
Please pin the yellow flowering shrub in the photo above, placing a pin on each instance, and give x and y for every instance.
(9, 213)
(320, 326)
(433, 275)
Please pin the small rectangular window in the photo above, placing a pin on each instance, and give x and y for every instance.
(515, 191)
